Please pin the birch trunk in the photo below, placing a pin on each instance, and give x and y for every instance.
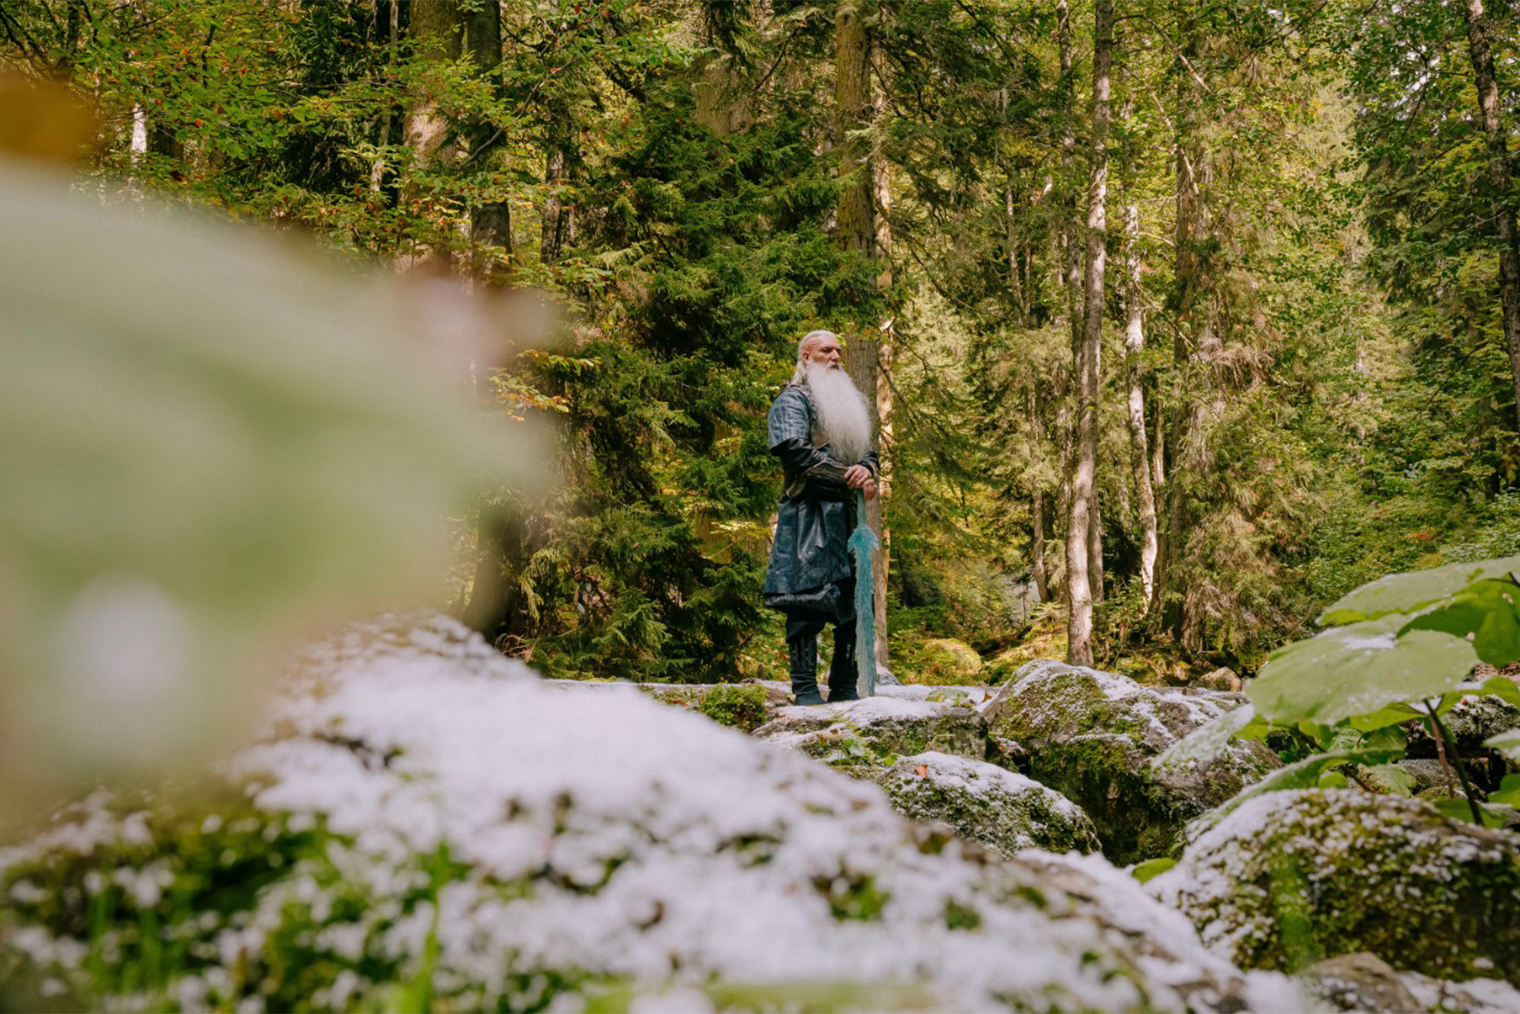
(1086, 360)
(1134, 345)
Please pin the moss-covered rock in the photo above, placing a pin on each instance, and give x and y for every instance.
(877, 731)
(943, 661)
(1001, 809)
(1092, 735)
(1290, 878)
(740, 707)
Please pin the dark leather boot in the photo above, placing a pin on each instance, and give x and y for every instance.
(803, 649)
(843, 678)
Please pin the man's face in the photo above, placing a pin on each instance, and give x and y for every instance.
(823, 350)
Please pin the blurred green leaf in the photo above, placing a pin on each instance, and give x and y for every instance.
(1151, 868)
(1358, 669)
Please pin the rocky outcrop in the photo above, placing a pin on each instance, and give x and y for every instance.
(1092, 735)
(1001, 809)
(1294, 876)
(1470, 721)
(429, 826)
(1224, 678)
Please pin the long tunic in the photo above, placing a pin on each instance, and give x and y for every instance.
(809, 560)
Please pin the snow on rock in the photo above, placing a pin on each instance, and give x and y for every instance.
(1365, 982)
(875, 731)
(1092, 735)
(776, 694)
(1291, 875)
(427, 823)
(1001, 809)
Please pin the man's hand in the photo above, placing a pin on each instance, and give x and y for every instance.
(859, 477)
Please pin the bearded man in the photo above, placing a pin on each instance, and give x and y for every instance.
(820, 428)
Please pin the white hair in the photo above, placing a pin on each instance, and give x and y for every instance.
(800, 373)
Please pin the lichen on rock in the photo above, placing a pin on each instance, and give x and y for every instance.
(1092, 735)
(1293, 877)
(1003, 810)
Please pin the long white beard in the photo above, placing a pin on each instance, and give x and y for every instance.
(843, 416)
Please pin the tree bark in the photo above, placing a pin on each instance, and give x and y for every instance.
(1186, 273)
(557, 217)
(387, 32)
(1070, 240)
(1086, 360)
(435, 31)
(1037, 501)
(1134, 345)
(1158, 448)
(491, 223)
(861, 226)
(1499, 184)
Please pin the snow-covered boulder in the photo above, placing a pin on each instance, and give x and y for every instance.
(1003, 810)
(1365, 982)
(1293, 876)
(876, 731)
(1092, 735)
(429, 825)
(1360, 982)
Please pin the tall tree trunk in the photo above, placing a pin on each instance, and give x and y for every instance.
(1037, 568)
(387, 31)
(884, 349)
(491, 223)
(1158, 449)
(1086, 360)
(435, 31)
(558, 215)
(1068, 282)
(861, 227)
(1134, 344)
(1499, 184)
(1095, 543)
(1071, 242)
(1188, 157)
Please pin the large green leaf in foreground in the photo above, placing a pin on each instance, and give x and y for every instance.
(1358, 669)
(1404, 593)
(1487, 610)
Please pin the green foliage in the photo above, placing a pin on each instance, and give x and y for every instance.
(1151, 868)
(1350, 687)
(741, 707)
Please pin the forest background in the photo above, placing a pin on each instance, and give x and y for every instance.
(1190, 317)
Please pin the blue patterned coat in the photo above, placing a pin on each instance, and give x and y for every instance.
(808, 559)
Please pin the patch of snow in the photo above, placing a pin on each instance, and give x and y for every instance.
(607, 834)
